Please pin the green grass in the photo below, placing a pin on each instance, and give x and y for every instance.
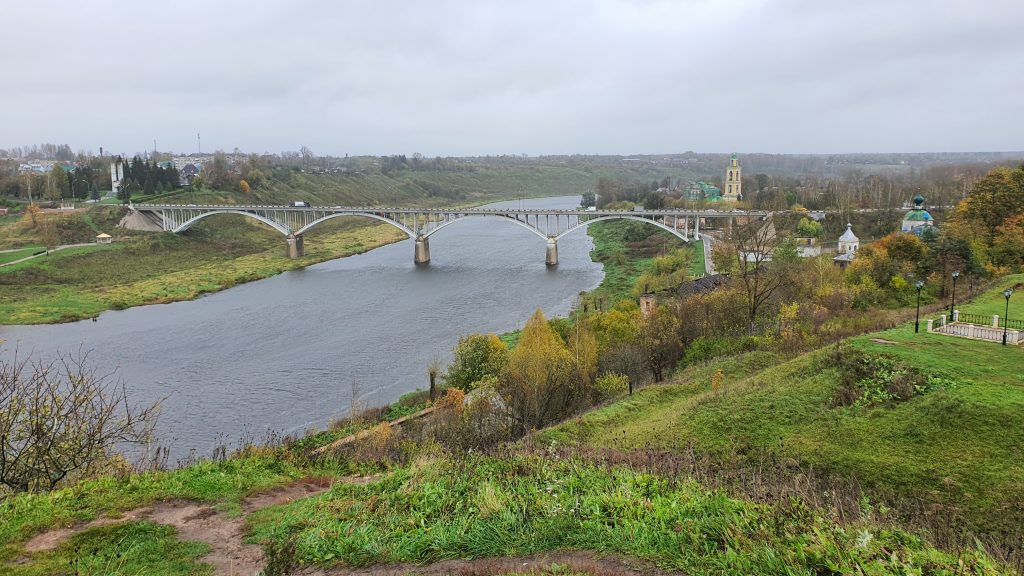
(217, 253)
(473, 507)
(222, 483)
(697, 264)
(6, 257)
(121, 550)
(625, 262)
(960, 446)
(993, 301)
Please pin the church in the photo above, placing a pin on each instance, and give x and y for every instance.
(917, 219)
(732, 187)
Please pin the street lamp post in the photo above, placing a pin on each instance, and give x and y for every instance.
(952, 300)
(917, 315)
(1006, 320)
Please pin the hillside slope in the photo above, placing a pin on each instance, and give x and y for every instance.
(956, 445)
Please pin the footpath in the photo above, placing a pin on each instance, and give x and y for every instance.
(44, 253)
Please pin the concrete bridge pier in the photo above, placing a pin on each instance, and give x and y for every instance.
(422, 250)
(296, 246)
(552, 255)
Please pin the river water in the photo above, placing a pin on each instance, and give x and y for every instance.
(285, 353)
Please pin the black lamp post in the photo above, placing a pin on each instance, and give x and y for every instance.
(917, 315)
(1006, 320)
(952, 301)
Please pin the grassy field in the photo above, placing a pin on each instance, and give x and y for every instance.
(471, 507)
(18, 254)
(993, 301)
(443, 507)
(958, 445)
(624, 262)
(155, 268)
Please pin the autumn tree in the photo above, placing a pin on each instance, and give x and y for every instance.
(1008, 244)
(996, 197)
(477, 356)
(808, 228)
(56, 183)
(659, 340)
(540, 386)
(216, 174)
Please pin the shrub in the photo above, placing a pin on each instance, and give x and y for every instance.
(868, 380)
(610, 386)
(476, 357)
(61, 419)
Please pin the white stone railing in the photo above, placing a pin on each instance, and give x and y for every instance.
(975, 331)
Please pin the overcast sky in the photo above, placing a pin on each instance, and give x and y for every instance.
(478, 77)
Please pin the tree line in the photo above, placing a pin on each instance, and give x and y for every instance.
(146, 177)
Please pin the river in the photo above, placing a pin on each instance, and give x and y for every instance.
(285, 353)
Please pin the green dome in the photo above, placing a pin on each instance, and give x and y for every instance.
(918, 215)
(918, 200)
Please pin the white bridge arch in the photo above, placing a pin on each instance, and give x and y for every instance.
(421, 223)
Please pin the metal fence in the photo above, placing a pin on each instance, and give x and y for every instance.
(979, 319)
(983, 320)
(1012, 323)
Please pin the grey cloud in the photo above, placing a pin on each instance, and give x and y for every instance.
(486, 77)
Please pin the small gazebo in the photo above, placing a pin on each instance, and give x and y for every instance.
(103, 238)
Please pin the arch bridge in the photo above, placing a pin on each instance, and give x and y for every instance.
(421, 223)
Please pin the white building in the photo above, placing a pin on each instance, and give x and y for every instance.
(847, 247)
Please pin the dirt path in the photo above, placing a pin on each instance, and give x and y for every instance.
(231, 556)
(567, 561)
(225, 535)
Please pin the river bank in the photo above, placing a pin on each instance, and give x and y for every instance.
(157, 269)
(139, 269)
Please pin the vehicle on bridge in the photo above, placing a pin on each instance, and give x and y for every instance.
(300, 204)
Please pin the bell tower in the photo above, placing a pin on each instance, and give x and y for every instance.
(732, 187)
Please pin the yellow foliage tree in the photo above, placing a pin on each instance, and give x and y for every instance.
(539, 385)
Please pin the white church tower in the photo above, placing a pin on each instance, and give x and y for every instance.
(116, 175)
(732, 187)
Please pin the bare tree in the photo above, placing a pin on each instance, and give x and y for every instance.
(755, 241)
(62, 418)
(433, 369)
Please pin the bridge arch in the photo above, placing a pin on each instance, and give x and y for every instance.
(505, 218)
(682, 236)
(190, 222)
(362, 214)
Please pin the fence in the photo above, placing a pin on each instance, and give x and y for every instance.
(995, 321)
(976, 332)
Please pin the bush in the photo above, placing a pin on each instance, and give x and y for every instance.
(610, 386)
(706, 348)
(477, 356)
(61, 419)
(868, 380)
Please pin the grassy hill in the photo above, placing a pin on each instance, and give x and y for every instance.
(406, 187)
(775, 448)
(953, 449)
